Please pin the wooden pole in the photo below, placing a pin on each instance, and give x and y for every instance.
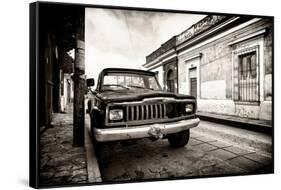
(79, 81)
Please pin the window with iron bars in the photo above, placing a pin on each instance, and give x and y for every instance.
(248, 82)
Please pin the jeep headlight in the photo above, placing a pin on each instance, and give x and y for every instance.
(189, 108)
(115, 114)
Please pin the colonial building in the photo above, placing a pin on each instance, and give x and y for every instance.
(224, 61)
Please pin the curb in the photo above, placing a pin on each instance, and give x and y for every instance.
(94, 174)
(252, 126)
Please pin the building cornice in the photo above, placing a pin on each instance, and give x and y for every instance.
(163, 61)
(165, 55)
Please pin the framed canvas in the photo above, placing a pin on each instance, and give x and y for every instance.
(130, 94)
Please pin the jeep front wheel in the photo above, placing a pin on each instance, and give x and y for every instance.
(102, 149)
(179, 139)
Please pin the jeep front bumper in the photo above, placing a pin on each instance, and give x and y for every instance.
(142, 131)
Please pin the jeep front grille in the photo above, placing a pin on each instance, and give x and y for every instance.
(145, 112)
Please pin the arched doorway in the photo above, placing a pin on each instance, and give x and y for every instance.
(171, 80)
(171, 75)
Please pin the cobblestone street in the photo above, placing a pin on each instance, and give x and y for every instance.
(207, 154)
(60, 162)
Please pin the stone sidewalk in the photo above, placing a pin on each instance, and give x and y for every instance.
(60, 162)
(241, 122)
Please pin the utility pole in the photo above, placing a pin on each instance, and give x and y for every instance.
(79, 80)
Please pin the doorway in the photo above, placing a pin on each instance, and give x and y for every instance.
(193, 81)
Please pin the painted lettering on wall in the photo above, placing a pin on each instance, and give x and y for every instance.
(199, 27)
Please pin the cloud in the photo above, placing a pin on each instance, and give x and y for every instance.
(123, 38)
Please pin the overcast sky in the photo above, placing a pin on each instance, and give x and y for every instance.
(121, 38)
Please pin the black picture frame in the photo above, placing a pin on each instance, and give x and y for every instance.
(37, 93)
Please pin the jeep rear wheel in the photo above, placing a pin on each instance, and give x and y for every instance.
(179, 139)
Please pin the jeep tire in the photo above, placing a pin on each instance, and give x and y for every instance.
(102, 149)
(179, 139)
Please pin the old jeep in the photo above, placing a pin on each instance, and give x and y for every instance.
(130, 104)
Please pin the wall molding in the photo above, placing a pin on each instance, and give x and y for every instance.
(252, 35)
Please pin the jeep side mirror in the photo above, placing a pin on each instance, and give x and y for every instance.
(90, 82)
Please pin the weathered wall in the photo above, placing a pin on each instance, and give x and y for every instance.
(160, 75)
(266, 106)
(226, 107)
(268, 61)
(182, 77)
(183, 74)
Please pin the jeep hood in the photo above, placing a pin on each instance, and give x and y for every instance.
(138, 94)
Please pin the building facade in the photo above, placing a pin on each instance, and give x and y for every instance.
(224, 61)
(56, 66)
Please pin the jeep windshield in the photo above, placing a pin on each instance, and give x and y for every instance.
(129, 81)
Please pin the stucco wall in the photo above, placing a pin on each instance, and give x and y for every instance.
(160, 75)
(183, 74)
(268, 61)
(226, 107)
(214, 89)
